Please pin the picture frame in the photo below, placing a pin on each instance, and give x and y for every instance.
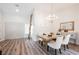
(67, 26)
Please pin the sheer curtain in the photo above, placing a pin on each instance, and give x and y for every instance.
(27, 30)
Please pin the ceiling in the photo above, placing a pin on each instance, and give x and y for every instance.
(26, 8)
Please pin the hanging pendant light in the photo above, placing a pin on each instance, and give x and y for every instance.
(52, 16)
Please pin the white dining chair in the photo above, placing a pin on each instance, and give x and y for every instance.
(56, 45)
(66, 41)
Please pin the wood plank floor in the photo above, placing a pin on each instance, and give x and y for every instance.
(29, 47)
(20, 47)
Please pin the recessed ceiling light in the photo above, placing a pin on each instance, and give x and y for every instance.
(17, 8)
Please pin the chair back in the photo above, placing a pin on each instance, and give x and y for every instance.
(58, 43)
(66, 39)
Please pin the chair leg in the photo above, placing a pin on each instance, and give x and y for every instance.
(64, 47)
(67, 46)
(55, 51)
(60, 51)
(0, 52)
(47, 48)
(41, 43)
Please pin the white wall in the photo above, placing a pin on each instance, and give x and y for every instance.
(14, 27)
(14, 30)
(2, 27)
(77, 30)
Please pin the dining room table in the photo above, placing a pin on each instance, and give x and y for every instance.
(46, 39)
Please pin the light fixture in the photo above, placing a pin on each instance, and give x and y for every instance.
(52, 16)
(17, 8)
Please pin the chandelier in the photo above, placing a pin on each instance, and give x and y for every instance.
(52, 16)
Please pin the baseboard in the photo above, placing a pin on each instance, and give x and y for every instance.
(2, 40)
